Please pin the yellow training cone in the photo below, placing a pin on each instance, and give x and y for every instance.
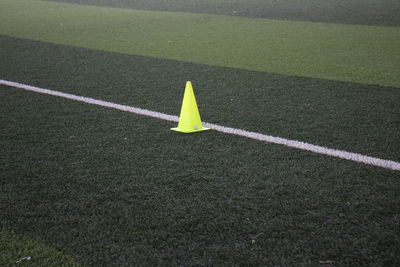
(189, 120)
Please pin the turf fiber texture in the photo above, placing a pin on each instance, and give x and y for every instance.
(111, 188)
(16, 250)
(363, 12)
(356, 53)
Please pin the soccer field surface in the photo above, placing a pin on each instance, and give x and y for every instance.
(84, 184)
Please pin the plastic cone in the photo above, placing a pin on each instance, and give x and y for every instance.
(189, 119)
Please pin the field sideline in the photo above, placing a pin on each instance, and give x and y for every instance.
(85, 185)
(257, 136)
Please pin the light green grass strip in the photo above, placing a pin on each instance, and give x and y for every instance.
(16, 250)
(365, 54)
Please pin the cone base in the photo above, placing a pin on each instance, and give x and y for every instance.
(176, 129)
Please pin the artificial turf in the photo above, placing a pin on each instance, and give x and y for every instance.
(112, 188)
(348, 116)
(17, 250)
(364, 12)
(355, 53)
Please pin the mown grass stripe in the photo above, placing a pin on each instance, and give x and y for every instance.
(374, 12)
(363, 54)
(388, 164)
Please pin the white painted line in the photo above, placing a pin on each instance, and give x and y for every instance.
(388, 164)
(93, 101)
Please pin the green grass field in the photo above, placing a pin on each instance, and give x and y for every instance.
(367, 54)
(87, 185)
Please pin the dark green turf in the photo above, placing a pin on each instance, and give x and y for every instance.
(17, 250)
(366, 12)
(353, 117)
(111, 188)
